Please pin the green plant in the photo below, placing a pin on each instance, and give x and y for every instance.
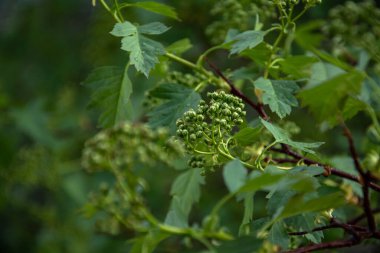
(308, 193)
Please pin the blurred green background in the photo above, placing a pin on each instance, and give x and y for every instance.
(47, 49)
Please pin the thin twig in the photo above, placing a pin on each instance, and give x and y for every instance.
(327, 245)
(365, 178)
(334, 171)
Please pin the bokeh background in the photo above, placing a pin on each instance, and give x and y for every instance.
(47, 49)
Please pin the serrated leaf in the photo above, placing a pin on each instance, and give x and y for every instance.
(278, 235)
(334, 92)
(246, 40)
(306, 222)
(248, 135)
(278, 94)
(186, 190)
(282, 137)
(155, 7)
(179, 100)
(234, 175)
(112, 89)
(154, 28)
(143, 51)
(244, 244)
(298, 66)
(179, 46)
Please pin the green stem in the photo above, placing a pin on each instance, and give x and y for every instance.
(207, 52)
(221, 203)
(118, 12)
(258, 159)
(300, 14)
(114, 14)
(230, 157)
(203, 152)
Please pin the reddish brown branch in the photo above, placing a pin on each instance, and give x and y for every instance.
(334, 171)
(350, 228)
(258, 107)
(327, 245)
(365, 178)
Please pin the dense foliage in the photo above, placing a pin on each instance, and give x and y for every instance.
(264, 137)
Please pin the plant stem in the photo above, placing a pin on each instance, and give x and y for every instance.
(114, 14)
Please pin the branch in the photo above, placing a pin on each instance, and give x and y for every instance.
(327, 245)
(258, 107)
(365, 178)
(332, 170)
(350, 228)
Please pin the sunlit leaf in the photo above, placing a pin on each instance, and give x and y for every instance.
(246, 40)
(282, 137)
(143, 51)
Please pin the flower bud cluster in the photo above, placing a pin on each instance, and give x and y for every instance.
(212, 120)
(356, 23)
(203, 130)
(121, 145)
(197, 162)
(236, 14)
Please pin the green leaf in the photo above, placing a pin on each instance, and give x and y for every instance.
(248, 214)
(308, 35)
(143, 51)
(234, 175)
(179, 46)
(148, 242)
(112, 90)
(298, 67)
(179, 100)
(333, 92)
(155, 7)
(244, 244)
(278, 235)
(298, 205)
(247, 136)
(306, 222)
(282, 137)
(352, 107)
(261, 182)
(278, 94)
(259, 54)
(246, 40)
(186, 190)
(322, 71)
